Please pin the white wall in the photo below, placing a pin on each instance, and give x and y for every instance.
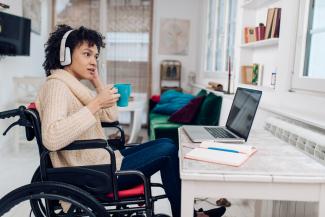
(11, 66)
(303, 106)
(181, 9)
(306, 107)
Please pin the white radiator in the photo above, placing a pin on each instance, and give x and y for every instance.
(306, 139)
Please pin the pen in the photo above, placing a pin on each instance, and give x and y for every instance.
(223, 149)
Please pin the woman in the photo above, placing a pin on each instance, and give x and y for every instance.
(69, 111)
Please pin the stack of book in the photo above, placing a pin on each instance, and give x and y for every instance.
(261, 32)
(273, 23)
(252, 74)
(254, 33)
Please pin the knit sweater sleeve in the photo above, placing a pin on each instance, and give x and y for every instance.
(109, 114)
(59, 128)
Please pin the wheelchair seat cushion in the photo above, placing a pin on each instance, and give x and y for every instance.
(132, 192)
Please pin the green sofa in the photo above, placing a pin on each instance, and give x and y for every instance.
(208, 114)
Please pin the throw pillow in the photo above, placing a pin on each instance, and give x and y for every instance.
(209, 111)
(171, 101)
(186, 114)
(155, 98)
(202, 92)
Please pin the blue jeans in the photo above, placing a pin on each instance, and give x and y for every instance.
(151, 157)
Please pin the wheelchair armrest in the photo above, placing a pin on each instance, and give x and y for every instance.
(92, 144)
(86, 144)
(110, 124)
(80, 145)
(119, 142)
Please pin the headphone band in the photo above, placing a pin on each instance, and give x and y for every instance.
(62, 45)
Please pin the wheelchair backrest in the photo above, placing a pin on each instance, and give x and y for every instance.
(36, 130)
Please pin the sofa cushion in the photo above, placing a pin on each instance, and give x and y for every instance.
(187, 114)
(171, 101)
(159, 121)
(209, 112)
(202, 92)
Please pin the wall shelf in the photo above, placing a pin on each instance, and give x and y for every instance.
(254, 4)
(263, 43)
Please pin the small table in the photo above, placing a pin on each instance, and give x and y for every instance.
(136, 108)
(277, 171)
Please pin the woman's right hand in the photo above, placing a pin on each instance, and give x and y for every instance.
(106, 98)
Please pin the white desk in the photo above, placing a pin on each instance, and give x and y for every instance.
(277, 171)
(136, 108)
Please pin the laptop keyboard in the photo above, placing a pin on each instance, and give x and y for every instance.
(219, 132)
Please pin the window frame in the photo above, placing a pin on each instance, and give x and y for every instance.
(298, 81)
(224, 65)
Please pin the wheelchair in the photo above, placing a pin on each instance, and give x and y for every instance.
(85, 190)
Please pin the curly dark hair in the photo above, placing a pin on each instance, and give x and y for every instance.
(75, 38)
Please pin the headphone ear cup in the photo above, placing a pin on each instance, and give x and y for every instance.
(67, 58)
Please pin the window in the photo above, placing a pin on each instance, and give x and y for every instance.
(310, 65)
(221, 24)
(126, 26)
(314, 61)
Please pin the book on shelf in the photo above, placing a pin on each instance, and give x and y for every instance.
(247, 74)
(252, 74)
(246, 35)
(277, 23)
(250, 35)
(260, 74)
(260, 32)
(273, 22)
(269, 20)
(221, 153)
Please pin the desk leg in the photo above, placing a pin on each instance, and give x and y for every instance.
(187, 202)
(321, 203)
(263, 208)
(135, 125)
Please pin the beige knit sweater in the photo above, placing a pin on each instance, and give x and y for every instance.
(61, 103)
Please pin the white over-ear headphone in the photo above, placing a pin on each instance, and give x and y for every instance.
(65, 54)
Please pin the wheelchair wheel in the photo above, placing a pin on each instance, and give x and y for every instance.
(82, 204)
(38, 206)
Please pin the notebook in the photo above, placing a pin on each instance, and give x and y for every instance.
(222, 153)
(239, 122)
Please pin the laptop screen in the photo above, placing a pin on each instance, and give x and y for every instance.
(242, 112)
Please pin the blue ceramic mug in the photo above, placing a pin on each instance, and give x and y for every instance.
(125, 91)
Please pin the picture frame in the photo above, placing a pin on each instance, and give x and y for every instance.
(32, 10)
(170, 70)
